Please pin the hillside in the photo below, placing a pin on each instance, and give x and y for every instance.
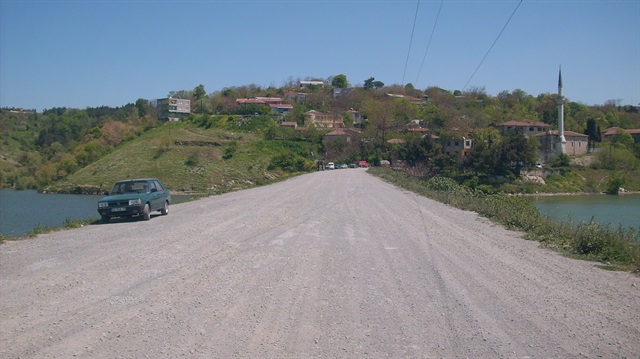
(234, 139)
(187, 158)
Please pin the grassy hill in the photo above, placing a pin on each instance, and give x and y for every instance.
(191, 158)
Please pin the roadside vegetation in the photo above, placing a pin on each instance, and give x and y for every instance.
(68, 224)
(614, 248)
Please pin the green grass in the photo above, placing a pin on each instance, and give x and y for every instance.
(616, 249)
(210, 161)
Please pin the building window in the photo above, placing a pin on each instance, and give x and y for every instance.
(531, 129)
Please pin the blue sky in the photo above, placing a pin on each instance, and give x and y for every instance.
(88, 53)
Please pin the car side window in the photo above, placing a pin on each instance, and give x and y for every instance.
(152, 185)
(158, 186)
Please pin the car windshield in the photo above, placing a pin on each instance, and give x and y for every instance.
(130, 187)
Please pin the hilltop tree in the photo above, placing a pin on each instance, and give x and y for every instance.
(371, 83)
(340, 81)
(198, 95)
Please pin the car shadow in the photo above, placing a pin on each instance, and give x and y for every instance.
(123, 220)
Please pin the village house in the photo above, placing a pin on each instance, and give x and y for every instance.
(417, 125)
(291, 124)
(173, 109)
(311, 83)
(297, 97)
(358, 118)
(576, 144)
(415, 100)
(345, 135)
(340, 92)
(259, 101)
(634, 132)
(526, 127)
(457, 146)
(324, 120)
(281, 108)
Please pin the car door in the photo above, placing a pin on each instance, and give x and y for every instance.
(153, 196)
(159, 195)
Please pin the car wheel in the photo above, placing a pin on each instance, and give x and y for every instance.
(146, 212)
(105, 219)
(165, 210)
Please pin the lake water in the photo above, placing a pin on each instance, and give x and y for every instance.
(615, 211)
(22, 211)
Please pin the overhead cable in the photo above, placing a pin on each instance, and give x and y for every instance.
(494, 42)
(429, 43)
(410, 42)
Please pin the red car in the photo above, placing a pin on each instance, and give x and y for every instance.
(362, 164)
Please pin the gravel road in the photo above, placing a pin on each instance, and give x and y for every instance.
(334, 264)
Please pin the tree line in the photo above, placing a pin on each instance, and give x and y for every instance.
(40, 148)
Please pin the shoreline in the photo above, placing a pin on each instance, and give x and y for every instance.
(549, 194)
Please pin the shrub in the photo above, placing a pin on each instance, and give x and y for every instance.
(290, 163)
(614, 183)
(230, 150)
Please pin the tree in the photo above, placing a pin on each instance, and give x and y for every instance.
(419, 151)
(372, 83)
(340, 81)
(198, 96)
(516, 151)
(593, 131)
(481, 159)
(142, 106)
(380, 113)
(621, 139)
(368, 83)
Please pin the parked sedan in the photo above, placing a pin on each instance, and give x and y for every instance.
(136, 197)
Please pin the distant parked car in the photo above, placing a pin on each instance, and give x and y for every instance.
(344, 165)
(362, 164)
(136, 197)
(385, 163)
(331, 166)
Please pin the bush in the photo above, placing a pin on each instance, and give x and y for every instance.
(230, 150)
(615, 182)
(290, 163)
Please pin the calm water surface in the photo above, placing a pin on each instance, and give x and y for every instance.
(21, 211)
(615, 211)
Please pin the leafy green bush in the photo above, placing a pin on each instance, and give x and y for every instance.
(290, 163)
(230, 150)
(616, 181)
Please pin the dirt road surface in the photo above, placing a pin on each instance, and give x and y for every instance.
(334, 264)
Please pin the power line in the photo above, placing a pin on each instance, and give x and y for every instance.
(494, 42)
(429, 43)
(410, 42)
